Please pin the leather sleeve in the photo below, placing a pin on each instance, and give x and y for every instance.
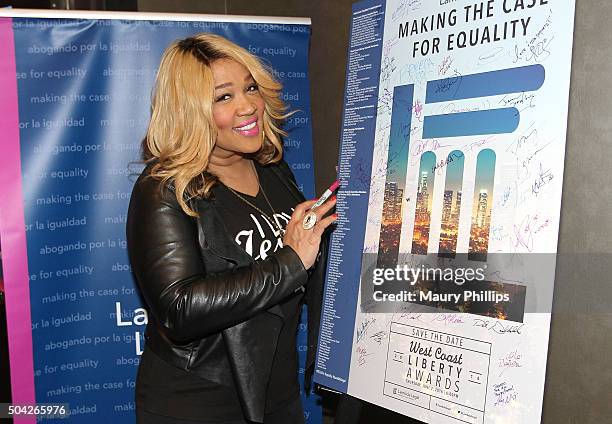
(189, 303)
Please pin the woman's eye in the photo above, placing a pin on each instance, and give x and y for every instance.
(253, 87)
(222, 97)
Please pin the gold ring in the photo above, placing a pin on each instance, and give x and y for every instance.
(309, 221)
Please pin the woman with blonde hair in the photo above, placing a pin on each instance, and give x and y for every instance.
(220, 246)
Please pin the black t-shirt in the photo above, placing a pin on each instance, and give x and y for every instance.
(165, 389)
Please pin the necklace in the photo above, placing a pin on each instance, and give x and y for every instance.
(269, 218)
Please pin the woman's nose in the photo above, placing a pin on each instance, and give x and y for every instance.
(246, 106)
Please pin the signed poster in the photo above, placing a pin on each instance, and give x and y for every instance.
(441, 271)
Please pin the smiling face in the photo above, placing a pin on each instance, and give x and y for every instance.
(237, 110)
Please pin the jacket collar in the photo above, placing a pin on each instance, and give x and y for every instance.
(215, 235)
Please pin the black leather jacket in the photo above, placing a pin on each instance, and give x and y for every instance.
(213, 310)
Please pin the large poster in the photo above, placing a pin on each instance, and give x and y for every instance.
(75, 100)
(439, 289)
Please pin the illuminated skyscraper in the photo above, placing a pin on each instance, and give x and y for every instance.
(397, 205)
(423, 183)
(422, 198)
(457, 205)
(481, 215)
(393, 202)
(447, 205)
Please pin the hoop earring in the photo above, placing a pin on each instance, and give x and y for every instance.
(263, 137)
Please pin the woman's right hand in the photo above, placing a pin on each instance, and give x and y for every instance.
(306, 242)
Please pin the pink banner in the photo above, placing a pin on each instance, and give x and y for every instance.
(12, 230)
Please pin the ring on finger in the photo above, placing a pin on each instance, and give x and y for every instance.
(309, 221)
